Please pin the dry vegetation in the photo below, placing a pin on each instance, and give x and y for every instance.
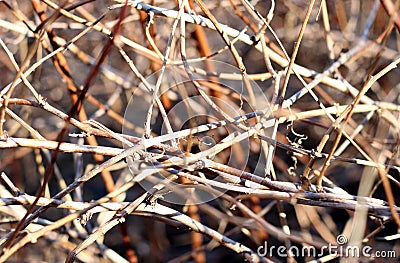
(191, 131)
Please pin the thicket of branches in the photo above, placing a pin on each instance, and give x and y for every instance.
(176, 131)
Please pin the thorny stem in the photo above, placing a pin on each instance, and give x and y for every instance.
(200, 170)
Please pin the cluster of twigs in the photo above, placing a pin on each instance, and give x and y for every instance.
(310, 157)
